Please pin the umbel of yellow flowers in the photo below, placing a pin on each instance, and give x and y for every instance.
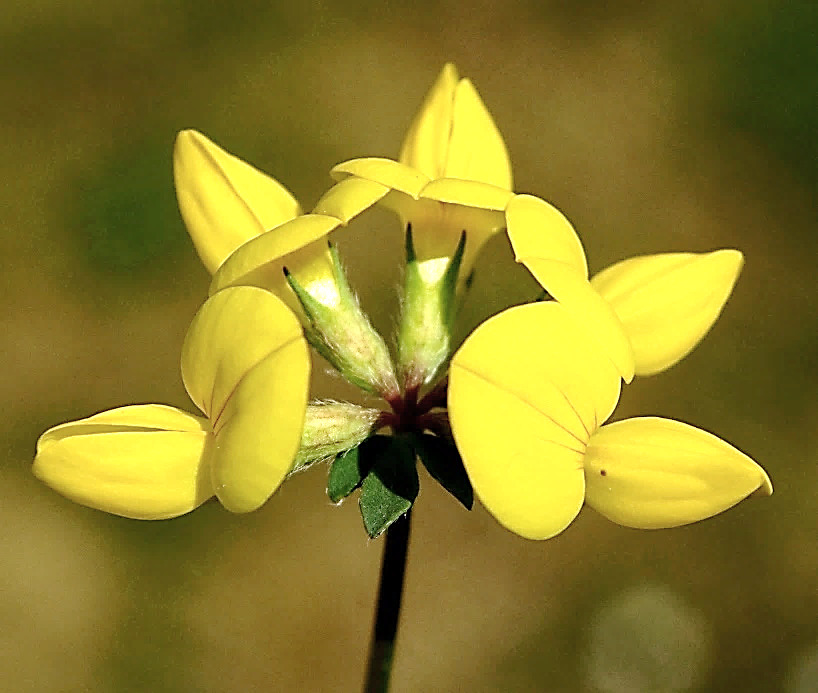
(525, 399)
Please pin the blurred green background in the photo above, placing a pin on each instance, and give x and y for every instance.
(654, 126)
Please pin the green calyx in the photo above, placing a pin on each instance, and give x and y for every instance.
(425, 332)
(343, 335)
(332, 428)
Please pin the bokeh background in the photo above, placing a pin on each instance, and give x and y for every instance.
(655, 126)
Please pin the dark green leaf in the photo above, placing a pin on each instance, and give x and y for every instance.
(391, 485)
(443, 462)
(345, 475)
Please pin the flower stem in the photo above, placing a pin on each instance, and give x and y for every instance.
(390, 590)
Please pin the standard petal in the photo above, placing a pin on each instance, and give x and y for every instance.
(233, 331)
(476, 150)
(526, 390)
(349, 198)
(651, 473)
(260, 261)
(259, 431)
(223, 200)
(245, 363)
(538, 229)
(447, 207)
(469, 193)
(388, 172)
(668, 302)
(426, 145)
(145, 462)
(588, 308)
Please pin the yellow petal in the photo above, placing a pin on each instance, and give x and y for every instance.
(526, 390)
(469, 193)
(259, 431)
(588, 308)
(223, 200)
(388, 172)
(476, 150)
(651, 473)
(260, 261)
(245, 363)
(349, 198)
(133, 417)
(668, 302)
(145, 462)
(446, 208)
(426, 146)
(233, 331)
(537, 229)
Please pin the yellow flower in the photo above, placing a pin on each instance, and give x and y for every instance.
(235, 212)
(249, 231)
(528, 394)
(453, 175)
(450, 188)
(246, 366)
(223, 200)
(648, 312)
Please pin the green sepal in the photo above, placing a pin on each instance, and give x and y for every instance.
(345, 474)
(391, 485)
(428, 311)
(444, 464)
(344, 336)
(449, 285)
(330, 429)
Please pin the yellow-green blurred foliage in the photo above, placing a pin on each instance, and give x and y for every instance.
(653, 126)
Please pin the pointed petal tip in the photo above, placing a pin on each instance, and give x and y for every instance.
(728, 260)
(188, 139)
(188, 134)
(450, 70)
(735, 256)
(766, 487)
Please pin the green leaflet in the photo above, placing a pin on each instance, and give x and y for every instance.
(345, 475)
(443, 462)
(391, 485)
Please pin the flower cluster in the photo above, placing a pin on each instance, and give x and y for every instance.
(515, 415)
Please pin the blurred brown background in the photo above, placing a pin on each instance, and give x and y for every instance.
(654, 126)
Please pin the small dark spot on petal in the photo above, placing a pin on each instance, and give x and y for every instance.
(602, 472)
